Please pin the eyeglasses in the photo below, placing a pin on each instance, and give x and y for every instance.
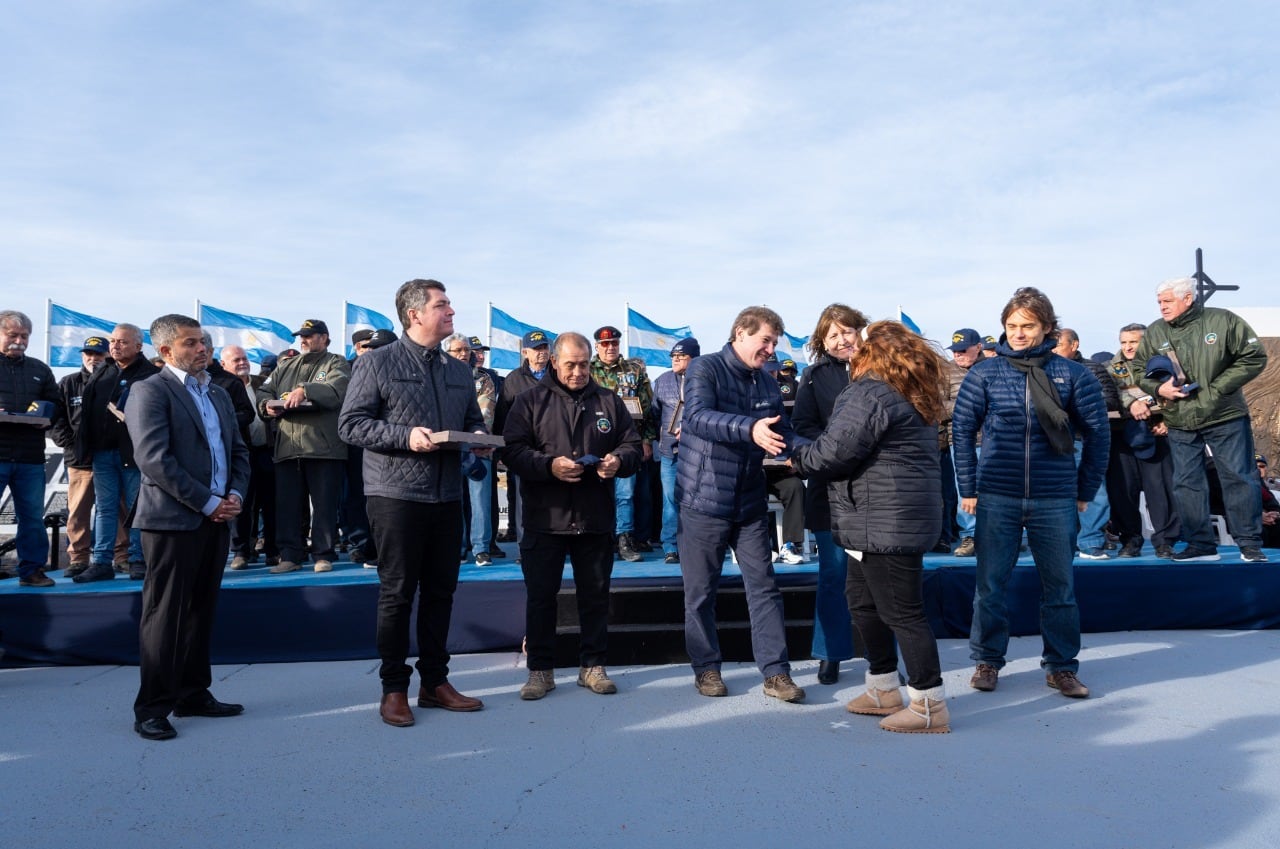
(456, 351)
(609, 343)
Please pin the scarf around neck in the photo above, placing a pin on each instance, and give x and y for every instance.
(1046, 402)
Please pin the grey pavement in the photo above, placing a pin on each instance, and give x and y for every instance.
(1179, 747)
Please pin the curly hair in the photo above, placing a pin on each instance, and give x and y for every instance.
(907, 362)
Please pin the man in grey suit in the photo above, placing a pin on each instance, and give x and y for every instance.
(195, 467)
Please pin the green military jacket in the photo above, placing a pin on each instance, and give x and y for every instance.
(629, 379)
(309, 432)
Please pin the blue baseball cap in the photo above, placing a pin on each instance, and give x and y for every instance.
(535, 339)
(963, 339)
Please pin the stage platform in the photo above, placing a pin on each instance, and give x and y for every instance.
(305, 616)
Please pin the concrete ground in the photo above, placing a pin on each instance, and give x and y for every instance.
(1179, 747)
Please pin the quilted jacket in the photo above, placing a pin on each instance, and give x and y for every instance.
(720, 472)
(880, 460)
(1017, 460)
(394, 389)
(820, 384)
(548, 422)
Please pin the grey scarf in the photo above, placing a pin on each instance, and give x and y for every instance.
(1046, 402)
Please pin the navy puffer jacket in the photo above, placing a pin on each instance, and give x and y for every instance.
(394, 389)
(720, 472)
(1017, 460)
(880, 460)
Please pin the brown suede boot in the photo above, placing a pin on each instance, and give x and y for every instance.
(882, 697)
(927, 714)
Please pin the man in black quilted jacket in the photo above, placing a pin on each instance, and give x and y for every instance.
(401, 394)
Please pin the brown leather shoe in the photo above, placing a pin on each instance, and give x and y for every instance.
(448, 698)
(985, 678)
(395, 710)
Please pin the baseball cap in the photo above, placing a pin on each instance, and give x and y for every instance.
(787, 365)
(310, 326)
(534, 339)
(1261, 458)
(381, 337)
(688, 346)
(608, 333)
(94, 345)
(361, 336)
(965, 337)
(477, 344)
(989, 343)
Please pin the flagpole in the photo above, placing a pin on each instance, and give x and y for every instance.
(488, 329)
(626, 330)
(48, 329)
(199, 318)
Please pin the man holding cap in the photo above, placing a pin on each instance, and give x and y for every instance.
(667, 412)
(966, 349)
(1218, 351)
(630, 381)
(310, 458)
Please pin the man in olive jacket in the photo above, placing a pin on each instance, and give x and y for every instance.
(307, 393)
(1219, 352)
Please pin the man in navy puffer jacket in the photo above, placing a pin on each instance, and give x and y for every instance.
(733, 418)
(1030, 404)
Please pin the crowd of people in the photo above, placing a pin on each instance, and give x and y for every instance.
(883, 448)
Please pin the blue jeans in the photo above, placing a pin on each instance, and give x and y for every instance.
(25, 482)
(624, 490)
(703, 542)
(1094, 518)
(966, 521)
(832, 624)
(670, 510)
(1050, 524)
(1232, 446)
(112, 485)
(478, 492)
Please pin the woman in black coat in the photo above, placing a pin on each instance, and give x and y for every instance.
(879, 456)
(834, 342)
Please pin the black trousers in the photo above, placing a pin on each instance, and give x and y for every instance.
(260, 500)
(542, 561)
(299, 483)
(1128, 478)
(354, 518)
(418, 546)
(184, 572)
(789, 489)
(886, 600)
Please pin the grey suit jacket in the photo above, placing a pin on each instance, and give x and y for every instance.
(172, 452)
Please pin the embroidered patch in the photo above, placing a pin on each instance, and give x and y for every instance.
(604, 425)
(320, 376)
(1211, 339)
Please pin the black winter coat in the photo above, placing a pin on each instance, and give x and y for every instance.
(820, 384)
(881, 460)
(99, 429)
(548, 421)
(22, 381)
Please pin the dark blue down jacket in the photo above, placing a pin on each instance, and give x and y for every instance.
(1017, 460)
(720, 472)
(880, 460)
(394, 389)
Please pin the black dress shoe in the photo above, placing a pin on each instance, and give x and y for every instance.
(828, 671)
(156, 728)
(209, 706)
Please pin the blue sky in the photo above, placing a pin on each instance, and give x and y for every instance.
(563, 158)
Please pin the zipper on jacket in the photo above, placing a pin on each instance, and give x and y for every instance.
(1026, 449)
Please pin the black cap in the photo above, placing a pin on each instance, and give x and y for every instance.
(381, 337)
(310, 326)
(608, 333)
(361, 335)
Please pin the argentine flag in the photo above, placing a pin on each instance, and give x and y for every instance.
(910, 325)
(258, 336)
(792, 347)
(67, 331)
(362, 318)
(651, 343)
(505, 335)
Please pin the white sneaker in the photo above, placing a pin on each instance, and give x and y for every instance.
(790, 555)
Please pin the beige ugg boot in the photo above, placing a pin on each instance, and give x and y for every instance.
(882, 697)
(927, 713)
